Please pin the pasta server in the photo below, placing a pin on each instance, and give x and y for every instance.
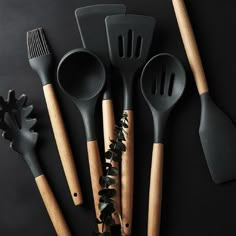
(18, 128)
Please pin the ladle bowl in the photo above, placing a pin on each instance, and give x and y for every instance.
(81, 74)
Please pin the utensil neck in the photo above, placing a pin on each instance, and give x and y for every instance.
(128, 79)
(33, 163)
(43, 67)
(87, 111)
(107, 90)
(160, 119)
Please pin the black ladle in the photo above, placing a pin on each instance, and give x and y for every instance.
(162, 82)
(81, 75)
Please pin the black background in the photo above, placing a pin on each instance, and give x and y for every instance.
(192, 203)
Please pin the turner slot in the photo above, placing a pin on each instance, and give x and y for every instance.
(163, 75)
(120, 46)
(130, 43)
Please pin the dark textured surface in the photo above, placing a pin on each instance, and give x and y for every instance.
(193, 204)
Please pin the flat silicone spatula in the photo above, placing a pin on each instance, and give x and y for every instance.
(91, 23)
(163, 82)
(129, 40)
(18, 128)
(217, 131)
(41, 61)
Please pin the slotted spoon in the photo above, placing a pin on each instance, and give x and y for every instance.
(162, 82)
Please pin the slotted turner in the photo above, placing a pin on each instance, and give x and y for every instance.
(129, 40)
(163, 82)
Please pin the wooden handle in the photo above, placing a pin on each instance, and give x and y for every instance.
(108, 132)
(63, 144)
(155, 190)
(190, 45)
(127, 176)
(52, 207)
(95, 167)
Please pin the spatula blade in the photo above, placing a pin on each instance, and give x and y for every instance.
(129, 40)
(91, 24)
(218, 138)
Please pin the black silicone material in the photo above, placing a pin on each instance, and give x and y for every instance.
(18, 126)
(129, 40)
(159, 124)
(91, 21)
(218, 138)
(87, 110)
(82, 76)
(31, 159)
(107, 91)
(163, 81)
(43, 67)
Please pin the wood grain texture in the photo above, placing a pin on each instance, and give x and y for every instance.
(95, 168)
(52, 207)
(127, 176)
(108, 133)
(155, 190)
(63, 145)
(190, 45)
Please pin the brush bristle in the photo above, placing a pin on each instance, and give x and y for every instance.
(37, 45)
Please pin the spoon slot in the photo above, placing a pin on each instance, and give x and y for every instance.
(154, 86)
(163, 75)
(171, 84)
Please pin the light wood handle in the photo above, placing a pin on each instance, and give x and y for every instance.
(63, 145)
(108, 133)
(95, 167)
(190, 45)
(127, 176)
(155, 190)
(52, 207)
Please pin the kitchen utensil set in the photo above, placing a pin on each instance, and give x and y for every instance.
(18, 128)
(112, 38)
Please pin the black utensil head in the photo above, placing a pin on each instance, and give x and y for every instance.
(91, 23)
(81, 74)
(163, 82)
(39, 54)
(129, 40)
(218, 137)
(12, 103)
(16, 124)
